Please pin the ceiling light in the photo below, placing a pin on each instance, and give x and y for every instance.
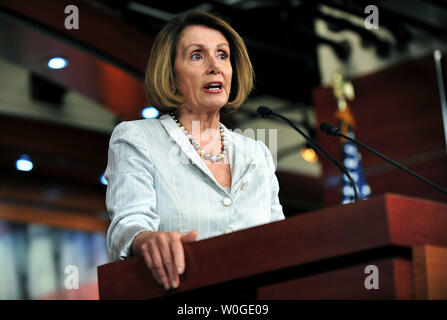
(150, 113)
(57, 63)
(103, 180)
(24, 163)
(308, 154)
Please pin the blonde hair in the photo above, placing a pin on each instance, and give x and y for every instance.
(160, 86)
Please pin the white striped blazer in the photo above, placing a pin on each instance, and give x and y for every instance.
(156, 181)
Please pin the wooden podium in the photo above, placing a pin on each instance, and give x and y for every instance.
(316, 255)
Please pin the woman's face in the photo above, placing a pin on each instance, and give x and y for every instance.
(202, 68)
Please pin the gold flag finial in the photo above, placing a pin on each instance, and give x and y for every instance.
(343, 91)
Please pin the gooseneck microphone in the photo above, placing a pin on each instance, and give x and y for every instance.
(331, 130)
(268, 113)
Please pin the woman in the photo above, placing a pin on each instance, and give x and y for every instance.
(185, 176)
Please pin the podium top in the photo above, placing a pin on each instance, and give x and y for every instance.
(381, 221)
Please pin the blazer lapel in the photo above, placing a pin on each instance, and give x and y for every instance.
(242, 159)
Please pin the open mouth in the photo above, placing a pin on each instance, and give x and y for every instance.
(213, 87)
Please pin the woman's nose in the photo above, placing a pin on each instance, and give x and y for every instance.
(213, 67)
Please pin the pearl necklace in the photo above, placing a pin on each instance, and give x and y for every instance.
(199, 150)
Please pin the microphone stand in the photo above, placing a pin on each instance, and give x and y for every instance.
(317, 146)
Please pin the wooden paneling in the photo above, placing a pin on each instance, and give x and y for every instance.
(53, 139)
(53, 218)
(416, 221)
(430, 275)
(346, 283)
(69, 196)
(64, 153)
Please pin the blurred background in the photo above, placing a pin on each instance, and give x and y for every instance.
(367, 65)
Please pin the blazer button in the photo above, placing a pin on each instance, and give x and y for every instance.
(227, 202)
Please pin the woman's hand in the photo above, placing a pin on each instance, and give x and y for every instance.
(164, 255)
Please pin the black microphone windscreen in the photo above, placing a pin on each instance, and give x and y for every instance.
(329, 129)
(265, 112)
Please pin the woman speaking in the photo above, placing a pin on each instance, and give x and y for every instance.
(185, 176)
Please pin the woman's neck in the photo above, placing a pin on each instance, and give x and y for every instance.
(202, 121)
(204, 128)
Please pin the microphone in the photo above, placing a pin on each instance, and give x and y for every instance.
(333, 131)
(268, 113)
(265, 112)
(329, 129)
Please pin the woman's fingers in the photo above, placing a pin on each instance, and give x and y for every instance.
(158, 264)
(190, 236)
(178, 254)
(164, 255)
(147, 258)
(165, 241)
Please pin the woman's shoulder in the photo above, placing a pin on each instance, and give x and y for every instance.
(140, 125)
(135, 132)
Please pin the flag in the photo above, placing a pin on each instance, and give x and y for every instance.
(352, 161)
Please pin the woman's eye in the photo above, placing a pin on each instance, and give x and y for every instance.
(195, 56)
(222, 55)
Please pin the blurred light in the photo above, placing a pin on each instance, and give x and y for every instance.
(24, 163)
(103, 180)
(309, 154)
(150, 113)
(57, 63)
